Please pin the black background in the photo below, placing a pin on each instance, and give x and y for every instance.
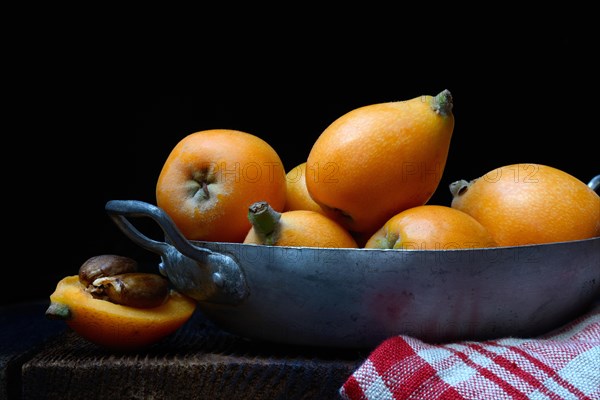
(94, 121)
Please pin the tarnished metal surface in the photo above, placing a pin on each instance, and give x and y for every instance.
(359, 297)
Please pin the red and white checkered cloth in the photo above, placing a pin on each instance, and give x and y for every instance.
(563, 364)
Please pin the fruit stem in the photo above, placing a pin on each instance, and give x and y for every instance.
(457, 188)
(58, 311)
(264, 219)
(442, 103)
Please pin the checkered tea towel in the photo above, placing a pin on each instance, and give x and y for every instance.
(563, 364)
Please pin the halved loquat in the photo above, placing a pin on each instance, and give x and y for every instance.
(431, 227)
(530, 203)
(116, 326)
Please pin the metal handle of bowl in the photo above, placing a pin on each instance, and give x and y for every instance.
(198, 272)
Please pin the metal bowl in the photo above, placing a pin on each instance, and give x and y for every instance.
(356, 298)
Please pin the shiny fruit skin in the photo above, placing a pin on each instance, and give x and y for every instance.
(306, 228)
(116, 326)
(531, 203)
(377, 160)
(431, 227)
(298, 197)
(237, 169)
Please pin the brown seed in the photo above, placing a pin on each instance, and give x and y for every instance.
(135, 289)
(105, 265)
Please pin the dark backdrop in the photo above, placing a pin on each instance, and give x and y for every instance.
(99, 126)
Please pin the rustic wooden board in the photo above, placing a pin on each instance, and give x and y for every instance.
(199, 361)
